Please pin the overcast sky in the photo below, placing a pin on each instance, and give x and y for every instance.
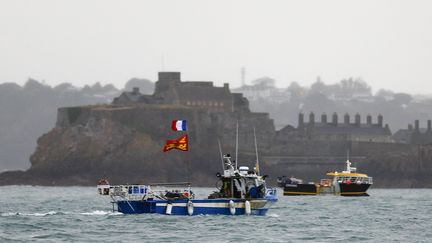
(387, 43)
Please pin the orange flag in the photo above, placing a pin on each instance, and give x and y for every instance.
(180, 144)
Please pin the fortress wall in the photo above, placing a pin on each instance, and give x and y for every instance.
(204, 127)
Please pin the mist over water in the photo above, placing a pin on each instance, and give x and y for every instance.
(52, 214)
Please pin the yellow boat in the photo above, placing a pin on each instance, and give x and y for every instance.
(345, 183)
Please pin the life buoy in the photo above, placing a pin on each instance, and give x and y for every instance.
(232, 207)
(190, 208)
(247, 208)
(186, 194)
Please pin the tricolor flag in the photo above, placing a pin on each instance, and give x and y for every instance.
(180, 144)
(179, 125)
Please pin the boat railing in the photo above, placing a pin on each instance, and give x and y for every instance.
(144, 192)
(358, 180)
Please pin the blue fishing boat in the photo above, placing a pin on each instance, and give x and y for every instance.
(240, 191)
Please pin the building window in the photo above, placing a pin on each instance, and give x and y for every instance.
(188, 103)
(221, 104)
(193, 102)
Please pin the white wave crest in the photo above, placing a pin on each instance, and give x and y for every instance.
(40, 214)
(100, 212)
(9, 214)
(29, 214)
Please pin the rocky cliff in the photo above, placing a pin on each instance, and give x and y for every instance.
(124, 143)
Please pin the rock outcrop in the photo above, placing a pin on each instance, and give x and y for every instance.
(125, 144)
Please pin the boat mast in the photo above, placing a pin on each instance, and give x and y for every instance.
(236, 158)
(256, 153)
(348, 163)
(221, 156)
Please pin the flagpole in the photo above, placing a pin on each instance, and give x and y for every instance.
(189, 161)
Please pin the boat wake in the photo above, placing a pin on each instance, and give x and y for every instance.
(51, 213)
(8, 214)
(100, 212)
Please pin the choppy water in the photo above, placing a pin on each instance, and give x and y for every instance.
(53, 214)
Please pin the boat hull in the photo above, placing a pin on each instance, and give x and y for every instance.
(353, 189)
(200, 207)
(300, 189)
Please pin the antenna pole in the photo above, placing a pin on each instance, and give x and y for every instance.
(163, 61)
(256, 153)
(236, 158)
(220, 151)
(243, 82)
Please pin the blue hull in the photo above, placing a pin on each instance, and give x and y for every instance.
(179, 207)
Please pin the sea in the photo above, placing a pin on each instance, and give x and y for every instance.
(79, 214)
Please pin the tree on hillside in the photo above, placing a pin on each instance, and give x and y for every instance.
(355, 86)
(296, 90)
(146, 86)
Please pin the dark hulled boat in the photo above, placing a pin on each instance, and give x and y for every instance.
(295, 187)
(345, 183)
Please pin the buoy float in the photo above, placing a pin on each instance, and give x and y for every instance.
(168, 208)
(247, 208)
(190, 207)
(232, 207)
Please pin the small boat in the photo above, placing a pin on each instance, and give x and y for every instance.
(345, 183)
(296, 186)
(240, 192)
(103, 186)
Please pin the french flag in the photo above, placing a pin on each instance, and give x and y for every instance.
(179, 125)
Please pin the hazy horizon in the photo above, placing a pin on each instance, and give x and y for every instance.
(387, 43)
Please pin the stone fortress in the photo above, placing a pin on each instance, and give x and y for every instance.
(171, 90)
(415, 135)
(347, 131)
(124, 141)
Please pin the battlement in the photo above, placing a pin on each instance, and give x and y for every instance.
(334, 130)
(196, 94)
(169, 76)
